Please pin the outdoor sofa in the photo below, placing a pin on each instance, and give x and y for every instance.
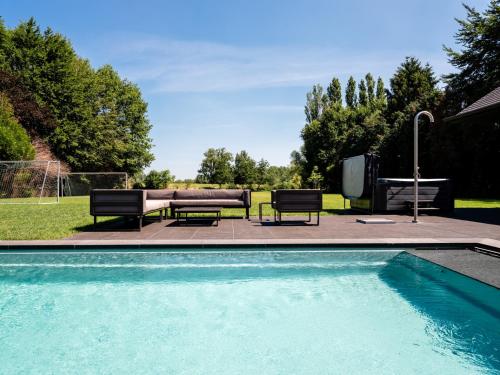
(140, 202)
(296, 200)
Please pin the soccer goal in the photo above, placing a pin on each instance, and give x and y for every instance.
(81, 183)
(29, 182)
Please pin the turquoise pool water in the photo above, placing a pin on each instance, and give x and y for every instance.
(243, 312)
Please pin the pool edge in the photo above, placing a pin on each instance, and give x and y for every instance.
(420, 243)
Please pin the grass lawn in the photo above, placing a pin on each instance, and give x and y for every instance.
(477, 203)
(56, 221)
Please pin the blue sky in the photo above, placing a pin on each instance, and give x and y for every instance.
(235, 73)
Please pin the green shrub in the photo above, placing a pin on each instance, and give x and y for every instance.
(14, 141)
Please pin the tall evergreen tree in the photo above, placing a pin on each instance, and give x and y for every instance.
(350, 93)
(413, 88)
(370, 88)
(334, 92)
(363, 97)
(411, 85)
(478, 61)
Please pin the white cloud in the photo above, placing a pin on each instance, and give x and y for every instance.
(196, 66)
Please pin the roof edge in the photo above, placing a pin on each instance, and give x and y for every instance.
(471, 113)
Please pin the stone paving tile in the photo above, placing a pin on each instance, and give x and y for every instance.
(331, 227)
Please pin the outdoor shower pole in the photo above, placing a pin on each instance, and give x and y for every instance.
(415, 161)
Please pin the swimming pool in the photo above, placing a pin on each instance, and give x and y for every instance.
(243, 312)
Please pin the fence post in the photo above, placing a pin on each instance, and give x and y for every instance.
(58, 179)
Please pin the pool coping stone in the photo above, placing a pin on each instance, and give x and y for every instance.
(431, 243)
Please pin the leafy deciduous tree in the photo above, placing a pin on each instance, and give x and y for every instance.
(158, 179)
(14, 141)
(216, 166)
(35, 119)
(315, 179)
(315, 103)
(334, 92)
(261, 172)
(363, 97)
(380, 93)
(244, 169)
(99, 120)
(338, 133)
(370, 88)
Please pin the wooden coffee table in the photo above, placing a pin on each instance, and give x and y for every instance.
(197, 210)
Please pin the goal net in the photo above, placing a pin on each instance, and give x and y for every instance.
(29, 182)
(81, 183)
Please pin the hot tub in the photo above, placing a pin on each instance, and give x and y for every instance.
(365, 191)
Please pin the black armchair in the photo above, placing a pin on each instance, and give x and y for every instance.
(299, 200)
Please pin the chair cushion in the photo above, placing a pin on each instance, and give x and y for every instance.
(160, 194)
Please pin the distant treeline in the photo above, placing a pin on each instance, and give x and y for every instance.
(91, 118)
(219, 167)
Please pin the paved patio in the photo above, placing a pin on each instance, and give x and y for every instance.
(331, 227)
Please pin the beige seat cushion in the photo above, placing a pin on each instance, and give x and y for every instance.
(154, 204)
(166, 202)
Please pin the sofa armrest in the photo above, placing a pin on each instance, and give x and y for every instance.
(119, 202)
(247, 197)
(273, 198)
